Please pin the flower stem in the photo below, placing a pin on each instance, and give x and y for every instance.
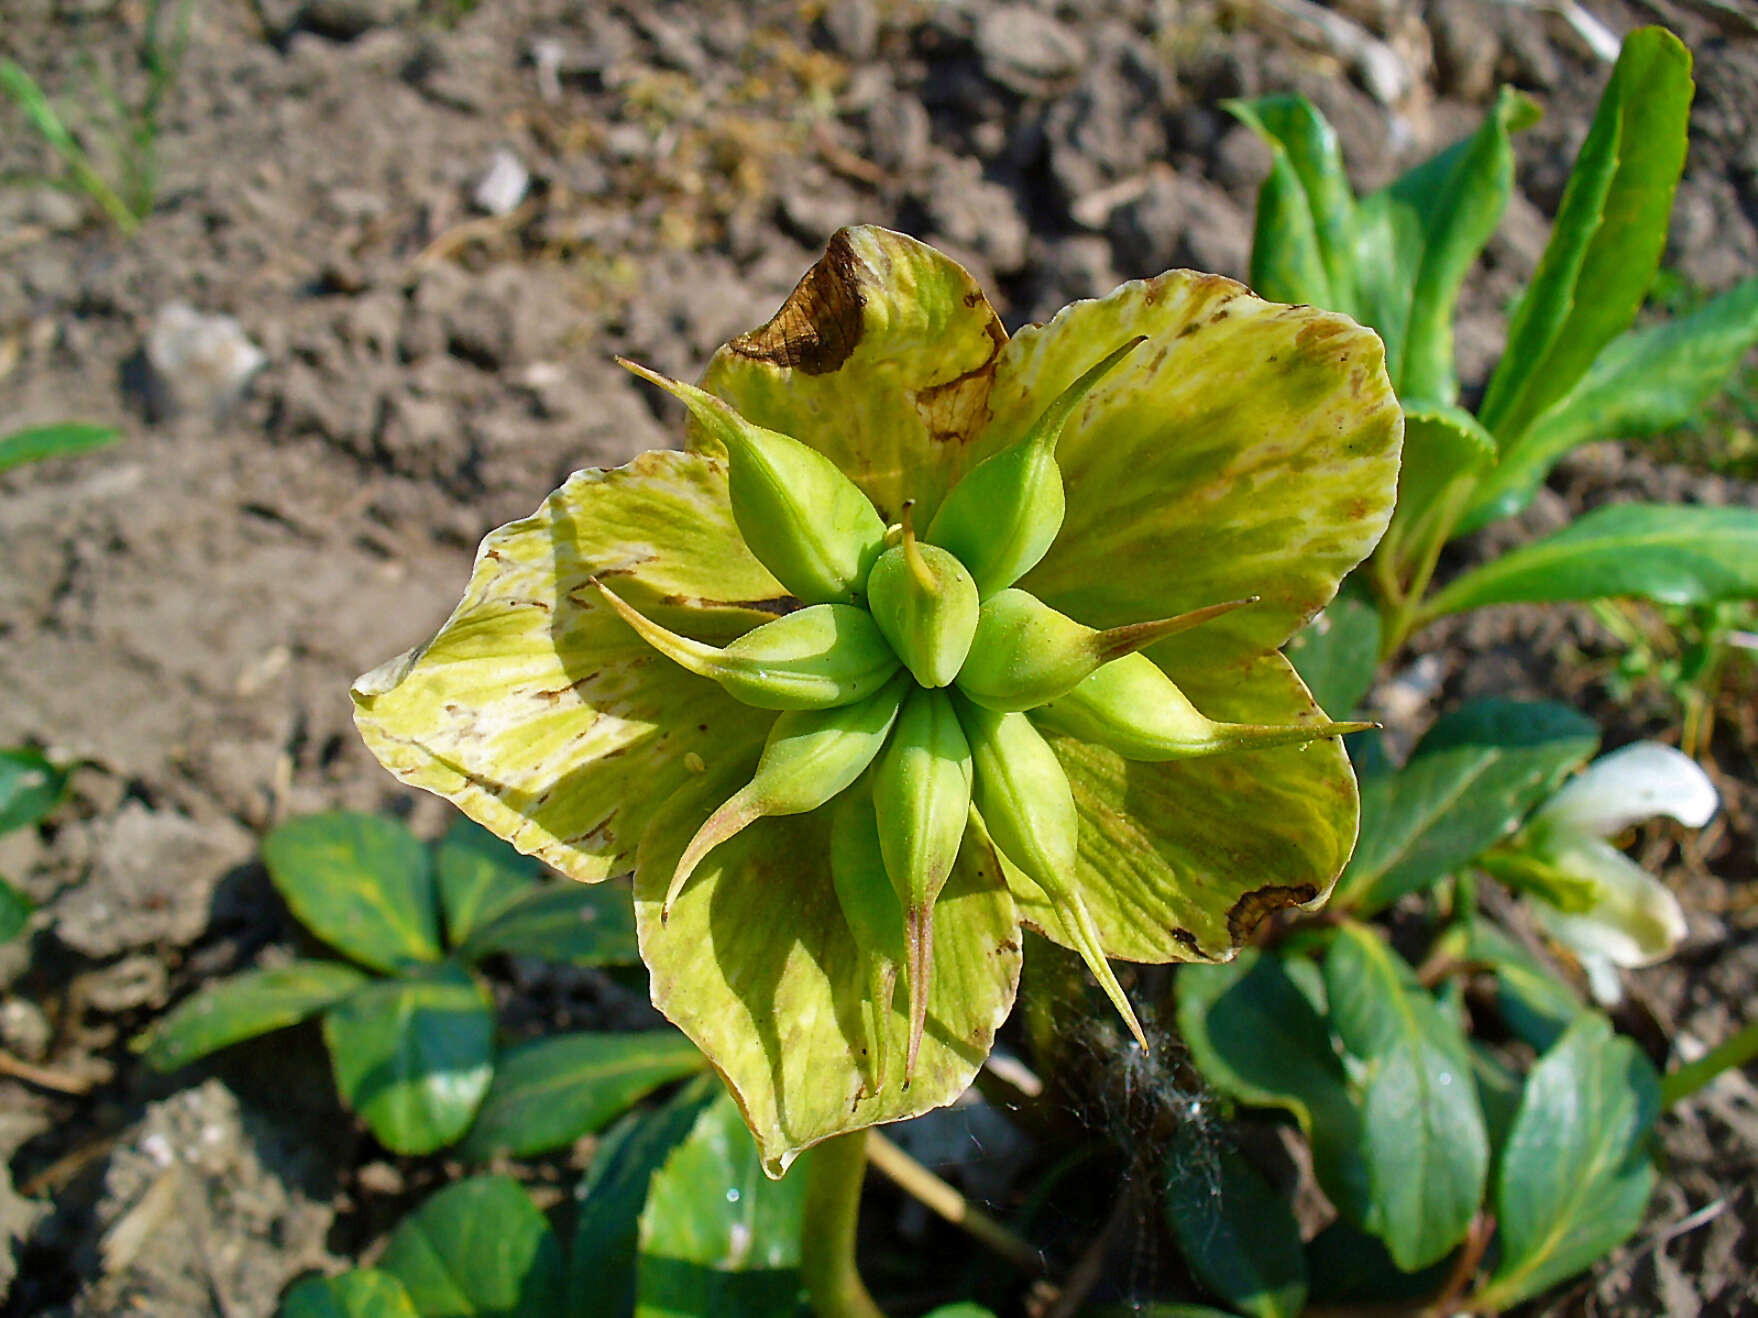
(834, 1172)
(917, 1180)
(1737, 1050)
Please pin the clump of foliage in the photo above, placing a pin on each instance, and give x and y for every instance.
(409, 1026)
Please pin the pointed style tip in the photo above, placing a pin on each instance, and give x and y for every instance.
(919, 942)
(728, 821)
(1119, 641)
(644, 372)
(912, 548)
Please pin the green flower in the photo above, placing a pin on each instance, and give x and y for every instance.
(928, 633)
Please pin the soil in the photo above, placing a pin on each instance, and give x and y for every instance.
(182, 612)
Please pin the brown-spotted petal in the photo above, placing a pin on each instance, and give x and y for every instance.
(1181, 860)
(1245, 449)
(537, 710)
(881, 359)
(757, 965)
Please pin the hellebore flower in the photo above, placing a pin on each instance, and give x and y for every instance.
(1589, 896)
(908, 648)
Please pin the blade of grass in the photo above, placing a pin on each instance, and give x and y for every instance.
(29, 97)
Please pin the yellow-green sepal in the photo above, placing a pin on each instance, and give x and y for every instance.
(536, 710)
(880, 359)
(758, 966)
(804, 520)
(1003, 516)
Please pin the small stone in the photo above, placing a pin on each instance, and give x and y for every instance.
(140, 980)
(504, 186)
(349, 18)
(197, 362)
(25, 1029)
(853, 26)
(1026, 50)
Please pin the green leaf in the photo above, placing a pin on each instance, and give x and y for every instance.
(1337, 653)
(1350, 1267)
(1256, 1037)
(59, 441)
(1535, 1005)
(362, 883)
(601, 1264)
(477, 875)
(1417, 240)
(414, 1056)
(244, 1006)
(1238, 1235)
(1426, 1147)
(549, 1093)
(1470, 781)
(30, 787)
(1300, 250)
(478, 1249)
(1607, 241)
(1575, 1177)
(15, 911)
(1445, 451)
(963, 1309)
(362, 1293)
(571, 923)
(1648, 380)
(1669, 553)
(718, 1237)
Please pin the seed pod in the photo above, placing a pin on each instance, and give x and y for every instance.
(1025, 653)
(1130, 706)
(926, 605)
(811, 755)
(1004, 514)
(922, 797)
(1023, 796)
(817, 657)
(875, 920)
(806, 522)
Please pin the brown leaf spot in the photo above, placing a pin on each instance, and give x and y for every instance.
(777, 605)
(955, 409)
(820, 324)
(1252, 909)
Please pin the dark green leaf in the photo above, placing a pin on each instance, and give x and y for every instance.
(1419, 237)
(414, 1056)
(1426, 1148)
(1256, 1037)
(1472, 780)
(361, 883)
(1646, 381)
(1607, 241)
(1445, 451)
(1498, 1094)
(61, 441)
(1337, 652)
(1348, 1266)
(362, 1293)
(247, 1005)
(479, 1249)
(1575, 1179)
(1305, 208)
(718, 1237)
(580, 924)
(1669, 553)
(478, 874)
(15, 911)
(30, 787)
(1536, 1006)
(549, 1093)
(1238, 1235)
(601, 1265)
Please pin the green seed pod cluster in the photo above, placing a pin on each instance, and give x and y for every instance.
(914, 685)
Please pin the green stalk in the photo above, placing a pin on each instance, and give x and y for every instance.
(834, 1173)
(1736, 1050)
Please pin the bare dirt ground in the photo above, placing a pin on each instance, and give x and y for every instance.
(183, 611)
